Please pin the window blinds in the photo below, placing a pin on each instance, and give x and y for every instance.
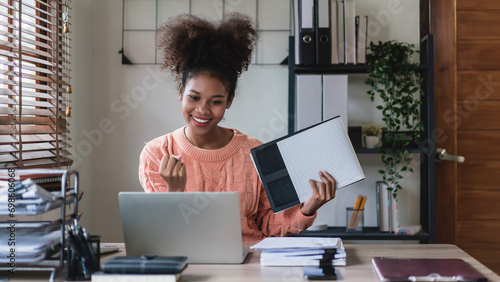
(34, 75)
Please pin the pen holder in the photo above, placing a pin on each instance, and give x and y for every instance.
(83, 258)
(354, 220)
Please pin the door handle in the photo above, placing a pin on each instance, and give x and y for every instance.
(442, 155)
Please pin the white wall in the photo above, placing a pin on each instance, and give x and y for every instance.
(82, 35)
(119, 107)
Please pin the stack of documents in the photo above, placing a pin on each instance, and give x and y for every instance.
(28, 198)
(26, 191)
(28, 247)
(301, 251)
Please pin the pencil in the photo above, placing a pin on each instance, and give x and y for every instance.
(359, 212)
(353, 215)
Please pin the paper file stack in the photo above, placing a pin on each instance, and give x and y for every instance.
(29, 198)
(301, 251)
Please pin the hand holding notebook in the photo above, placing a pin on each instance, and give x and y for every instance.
(322, 192)
(285, 165)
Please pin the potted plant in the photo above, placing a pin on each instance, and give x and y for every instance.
(372, 133)
(394, 78)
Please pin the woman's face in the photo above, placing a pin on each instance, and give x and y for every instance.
(204, 102)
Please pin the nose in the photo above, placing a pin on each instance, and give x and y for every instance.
(203, 108)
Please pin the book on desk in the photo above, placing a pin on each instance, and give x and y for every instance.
(413, 269)
(142, 268)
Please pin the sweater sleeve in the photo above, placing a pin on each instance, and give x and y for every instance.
(149, 176)
(285, 223)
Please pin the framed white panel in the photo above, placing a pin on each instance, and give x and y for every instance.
(274, 14)
(272, 47)
(171, 8)
(211, 9)
(140, 14)
(248, 7)
(139, 46)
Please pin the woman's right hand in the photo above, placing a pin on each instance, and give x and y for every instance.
(174, 173)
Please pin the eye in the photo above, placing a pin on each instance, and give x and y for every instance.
(216, 102)
(194, 98)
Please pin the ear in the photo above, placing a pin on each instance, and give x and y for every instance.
(181, 91)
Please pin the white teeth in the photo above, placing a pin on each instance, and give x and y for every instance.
(201, 120)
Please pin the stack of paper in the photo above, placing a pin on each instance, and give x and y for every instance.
(27, 191)
(28, 198)
(301, 251)
(28, 247)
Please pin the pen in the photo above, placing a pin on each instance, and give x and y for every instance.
(90, 259)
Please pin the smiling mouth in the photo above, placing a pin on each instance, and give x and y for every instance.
(200, 122)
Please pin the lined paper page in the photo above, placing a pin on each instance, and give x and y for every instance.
(325, 147)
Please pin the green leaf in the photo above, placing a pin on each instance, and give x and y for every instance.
(394, 80)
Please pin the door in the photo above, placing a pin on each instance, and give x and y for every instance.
(467, 122)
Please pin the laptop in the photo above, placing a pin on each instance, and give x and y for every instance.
(204, 226)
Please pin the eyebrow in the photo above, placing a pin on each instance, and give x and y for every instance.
(215, 96)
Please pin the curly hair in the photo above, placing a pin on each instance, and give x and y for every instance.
(192, 45)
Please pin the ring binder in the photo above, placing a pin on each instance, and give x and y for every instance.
(350, 31)
(307, 45)
(341, 39)
(323, 32)
(334, 36)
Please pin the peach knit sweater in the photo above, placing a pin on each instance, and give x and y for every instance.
(227, 169)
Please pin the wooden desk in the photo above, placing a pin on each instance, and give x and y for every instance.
(359, 267)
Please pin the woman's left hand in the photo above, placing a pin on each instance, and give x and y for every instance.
(322, 193)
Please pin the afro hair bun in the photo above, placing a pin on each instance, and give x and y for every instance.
(189, 41)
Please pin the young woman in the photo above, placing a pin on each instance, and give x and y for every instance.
(208, 58)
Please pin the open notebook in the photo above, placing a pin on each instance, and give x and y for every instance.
(285, 165)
